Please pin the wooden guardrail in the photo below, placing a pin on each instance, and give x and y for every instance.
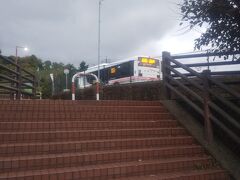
(198, 90)
(15, 81)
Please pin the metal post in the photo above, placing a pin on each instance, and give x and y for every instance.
(16, 55)
(53, 88)
(207, 122)
(19, 76)
(97, 91)
(66, 72)
(73, 90)
(99, 37)
(82, 74)
(166, 72)
(66, 81)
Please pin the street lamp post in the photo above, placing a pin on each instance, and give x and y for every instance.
(99, 37)
(19, 47)
(18, 77)
(53, 87)
(66, 72)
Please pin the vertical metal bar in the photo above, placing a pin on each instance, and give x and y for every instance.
(73, 89)
(97, 91)
(166, 72)
(99, 37)
(66, 82)
(207, 122)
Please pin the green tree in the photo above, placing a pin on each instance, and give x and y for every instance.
(43, 69)
(222, 19)
(47, 64)
(83, 66)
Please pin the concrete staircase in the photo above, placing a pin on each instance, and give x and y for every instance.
(72, 140)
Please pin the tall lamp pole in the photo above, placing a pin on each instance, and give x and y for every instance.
(53, 87)
(19, 47)
(18, 78)
(66, 72)
(99, 37)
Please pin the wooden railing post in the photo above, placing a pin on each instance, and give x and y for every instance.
(207, 121)
(19, 81)
(34, 86)
(166, 72)
(13, 85)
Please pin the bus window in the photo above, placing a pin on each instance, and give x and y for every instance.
(120, 71)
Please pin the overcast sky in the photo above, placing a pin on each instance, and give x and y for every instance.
(67, 30)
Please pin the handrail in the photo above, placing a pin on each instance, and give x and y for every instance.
(16, 79)
(79, 74)
(206, 106)
(205, 55)
(219, 73)
(184, 77)
(210, 64)
(185, 67)
(230, 91)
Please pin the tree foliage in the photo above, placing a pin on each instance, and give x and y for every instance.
(222, 18)
(43, 69)
(83, 66)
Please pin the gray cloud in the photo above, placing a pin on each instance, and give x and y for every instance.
(66, 30)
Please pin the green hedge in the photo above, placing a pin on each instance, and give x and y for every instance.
(136, 91)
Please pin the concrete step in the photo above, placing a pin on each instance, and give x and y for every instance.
(6, 117)
(83, 125)
(209, 174)
(80, 103)
(22, 149)
(34, 162)
(113, 170)
(78, 109)
(48, 136)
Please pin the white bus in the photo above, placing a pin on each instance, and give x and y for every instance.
(137, 69)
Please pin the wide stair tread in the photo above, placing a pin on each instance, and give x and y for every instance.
(42, 109)
(81, 103)
(206, 174)
(11, 149)
(89, 134)
(96, 157)
(116, 169)
(164, 149)
(125, 116)
(84, 125)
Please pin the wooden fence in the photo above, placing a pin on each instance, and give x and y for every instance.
(15, 82)
(198, 90)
